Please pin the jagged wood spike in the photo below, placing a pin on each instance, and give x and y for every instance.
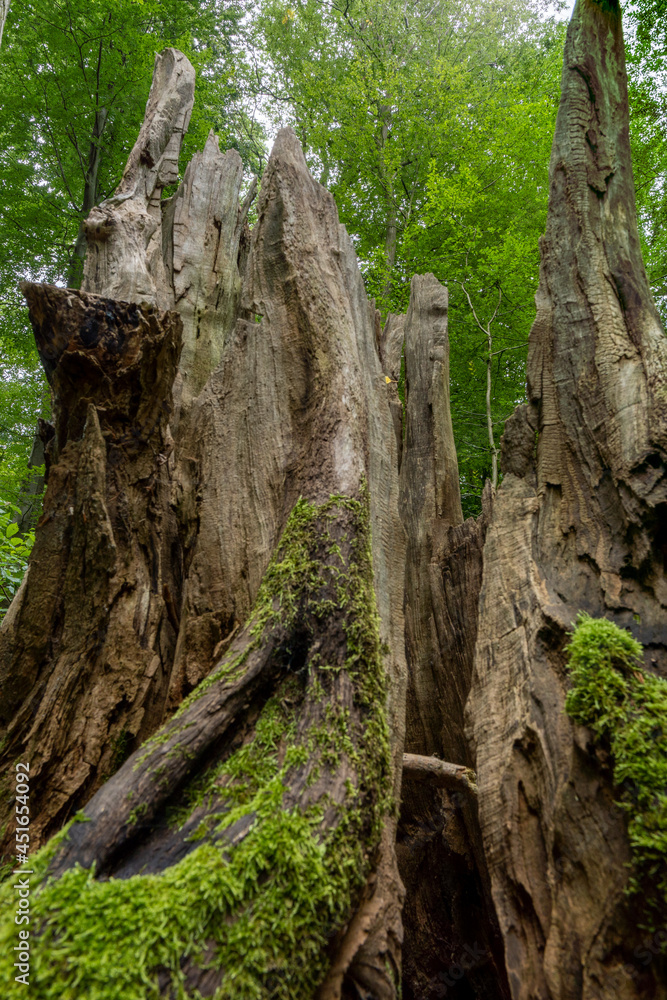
(579, 527)
(124, 233)
(440, 852)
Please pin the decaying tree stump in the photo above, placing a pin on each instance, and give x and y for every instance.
(280, 480)
(578, 527)
(86, 649)
(301, 716)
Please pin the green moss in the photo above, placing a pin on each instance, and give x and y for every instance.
(120, 749)
(283, 887)
(270, 905)
(626, 707)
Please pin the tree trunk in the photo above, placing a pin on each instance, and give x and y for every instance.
(89, 199)
(580, 526)
(4, 11)
(250, 537)
(252, 570)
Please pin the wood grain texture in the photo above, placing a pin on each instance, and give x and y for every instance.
(577, 525)
(293, 405)
(87, 649)
(440, 853)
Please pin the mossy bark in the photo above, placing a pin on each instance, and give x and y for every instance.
(576, 526)
(266, 793)
(274, 782)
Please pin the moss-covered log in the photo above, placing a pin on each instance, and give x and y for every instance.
(254, 817)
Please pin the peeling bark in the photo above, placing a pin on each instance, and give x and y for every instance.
(86, 650)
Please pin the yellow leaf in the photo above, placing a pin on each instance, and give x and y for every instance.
(387, 379)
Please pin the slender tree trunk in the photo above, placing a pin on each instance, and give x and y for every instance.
(75, 272)
(391, 231)
(486, 330)
(4, 11)
(390, 246)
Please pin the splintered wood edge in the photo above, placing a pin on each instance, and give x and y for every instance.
(455, 777)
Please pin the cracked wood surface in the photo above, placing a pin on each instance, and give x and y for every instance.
(578, 526)
(292, 404)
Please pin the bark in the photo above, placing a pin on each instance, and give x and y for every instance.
(578, 526)
(448, 915)
(271, 497)
(86, 648)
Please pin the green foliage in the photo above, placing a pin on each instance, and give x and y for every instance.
(269, 905)
(24, 396)
(14, 552)
(646, 45)
(626, 708)
(432, 126)
(63, 63)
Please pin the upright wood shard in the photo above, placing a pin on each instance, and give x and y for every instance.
(203, 237)
(184, 254)
(581, 527)
(390, 343)
(124, 233)
(440, 854)
(181, 253)
(430, 501)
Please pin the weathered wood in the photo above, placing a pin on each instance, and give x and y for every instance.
(441, 859)
(456, 777)
(430, 501)
(293, 422)
(204, 230)
(576, 527)
(86, 651)
(124, 233)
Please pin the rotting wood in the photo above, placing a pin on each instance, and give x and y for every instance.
(577, 524)
(456, 777)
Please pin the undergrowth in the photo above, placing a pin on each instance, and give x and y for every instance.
(626, 708)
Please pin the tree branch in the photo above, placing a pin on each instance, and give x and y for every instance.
(455, 777)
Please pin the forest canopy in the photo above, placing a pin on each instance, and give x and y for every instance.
(430, 121)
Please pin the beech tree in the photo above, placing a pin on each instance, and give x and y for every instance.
(294, 728)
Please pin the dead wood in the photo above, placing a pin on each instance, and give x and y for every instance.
(575, 526)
